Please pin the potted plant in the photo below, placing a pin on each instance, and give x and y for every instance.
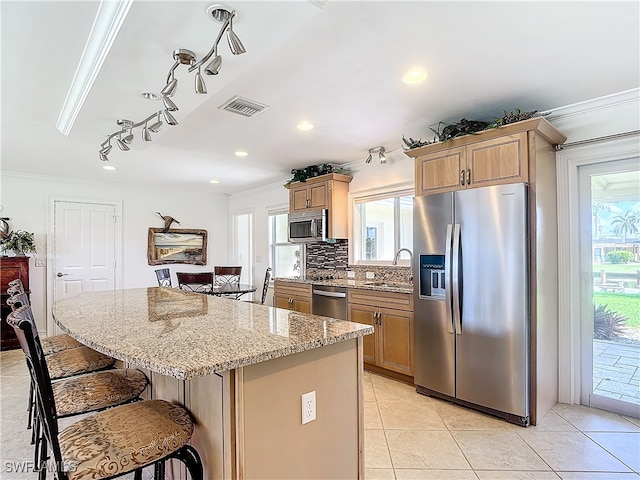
(20, 243)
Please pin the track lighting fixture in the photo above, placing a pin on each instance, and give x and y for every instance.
(181, 56)
(381, 154)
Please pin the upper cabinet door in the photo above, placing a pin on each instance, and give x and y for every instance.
(501, 160)
(441, 171)
(298, 199)
(319, 195)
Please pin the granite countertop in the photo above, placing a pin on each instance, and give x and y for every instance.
(186, 335)
(378, 285)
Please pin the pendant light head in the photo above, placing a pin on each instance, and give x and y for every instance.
(170, 88)
(368, 160)
(201, 88)
(106, 149)
(121, 145)
(168, 104)
(382, 156)
(235, 45)
(128, 138)
(155, 127)
(103, 156)
(170, 119)
(146, 135)
(214, 65)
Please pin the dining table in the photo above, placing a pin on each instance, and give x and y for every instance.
(235, 290)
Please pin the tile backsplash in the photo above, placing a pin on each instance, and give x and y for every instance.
(333, 259)
(329, 256)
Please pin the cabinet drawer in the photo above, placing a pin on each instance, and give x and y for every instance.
(293, 289)
(399, 301)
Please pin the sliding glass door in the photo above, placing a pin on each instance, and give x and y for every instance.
(609, 195)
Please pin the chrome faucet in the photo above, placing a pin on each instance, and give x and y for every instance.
(395, 261)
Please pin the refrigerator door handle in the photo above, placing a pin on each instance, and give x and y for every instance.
(455, 279)
(447, 276)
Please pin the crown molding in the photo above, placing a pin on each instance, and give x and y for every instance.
(104, 31)
(608, 101)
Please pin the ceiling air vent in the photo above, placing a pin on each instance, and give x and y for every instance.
(243, 106)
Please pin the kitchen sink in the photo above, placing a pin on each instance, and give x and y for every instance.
(388, 284)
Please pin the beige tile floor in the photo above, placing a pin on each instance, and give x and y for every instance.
(410, 436)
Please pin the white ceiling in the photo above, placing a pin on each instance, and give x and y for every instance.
(338, 66)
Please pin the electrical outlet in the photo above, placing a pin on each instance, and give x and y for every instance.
(308, 407)
(351, 274)
(370, 275)
(41, 262)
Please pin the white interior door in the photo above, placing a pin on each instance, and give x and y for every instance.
(84, 248)
(242, 245)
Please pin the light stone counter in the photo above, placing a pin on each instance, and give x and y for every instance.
(376, 285)
(187, 335)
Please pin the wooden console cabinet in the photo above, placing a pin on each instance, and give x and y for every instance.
(10, 269)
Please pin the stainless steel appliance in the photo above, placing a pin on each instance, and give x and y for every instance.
(472, 298)
(329, 301)
(308, 227)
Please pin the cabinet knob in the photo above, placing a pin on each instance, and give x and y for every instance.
(461, 177)
(469, 176)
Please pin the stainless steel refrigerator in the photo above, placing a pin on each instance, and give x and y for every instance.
(472, 298)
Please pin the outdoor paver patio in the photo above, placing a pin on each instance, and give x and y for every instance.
(616, 370)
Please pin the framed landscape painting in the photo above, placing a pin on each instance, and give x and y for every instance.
(177, 246)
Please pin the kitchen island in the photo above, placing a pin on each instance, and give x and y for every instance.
(240, 369)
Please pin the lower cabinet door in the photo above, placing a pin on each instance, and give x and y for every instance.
(302, 305)
(281, 301)
(366, 315)
(396, 341)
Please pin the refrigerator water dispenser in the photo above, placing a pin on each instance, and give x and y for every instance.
(432, 276)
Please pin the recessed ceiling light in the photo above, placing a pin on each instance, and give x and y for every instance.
(416, 75)
(240, 153)
(305, 126)
(148, 95)
(108, 167)
(214, 181)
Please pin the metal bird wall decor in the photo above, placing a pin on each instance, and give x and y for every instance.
(167, 221)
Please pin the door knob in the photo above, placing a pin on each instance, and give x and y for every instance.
(60, 274)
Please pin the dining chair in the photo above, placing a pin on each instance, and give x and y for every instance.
(265, 287)
(227, 275)
(110, 443)
(82, 394)
(200, 282)
(164, 277)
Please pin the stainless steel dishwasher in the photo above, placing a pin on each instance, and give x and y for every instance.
(330, 301)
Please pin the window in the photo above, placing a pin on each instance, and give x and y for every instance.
(382, 225)
(287, 259)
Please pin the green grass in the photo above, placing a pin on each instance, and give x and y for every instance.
(627, 304)
(616, 267)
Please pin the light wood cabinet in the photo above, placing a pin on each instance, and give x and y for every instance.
(292, 296)
(492, 157)
(391, 315)
(326, 191)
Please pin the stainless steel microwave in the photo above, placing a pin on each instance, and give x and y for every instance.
(308, 227)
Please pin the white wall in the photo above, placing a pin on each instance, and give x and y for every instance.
(26, 200)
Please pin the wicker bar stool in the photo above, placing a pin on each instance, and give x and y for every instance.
(110, 443)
